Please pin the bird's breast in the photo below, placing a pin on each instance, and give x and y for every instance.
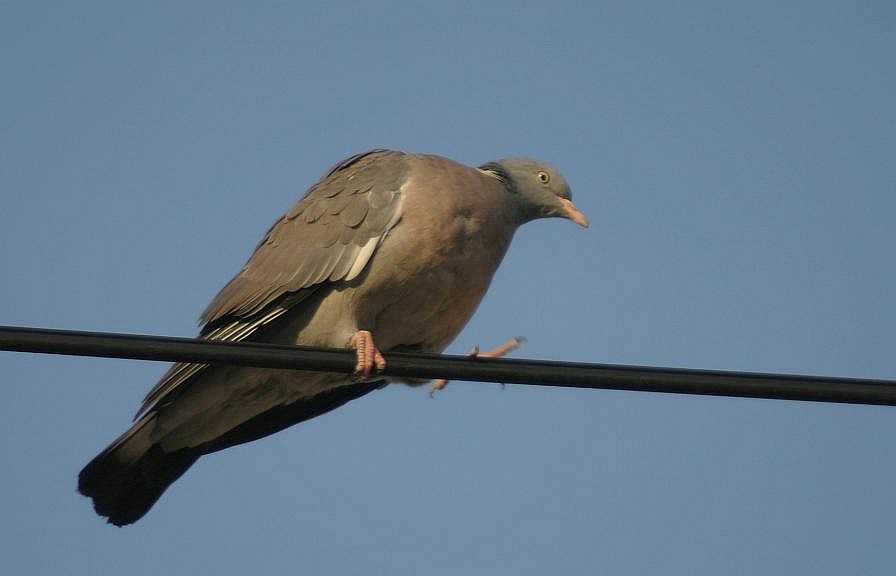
(430, 273)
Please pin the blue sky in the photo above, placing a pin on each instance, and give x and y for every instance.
(735, 160)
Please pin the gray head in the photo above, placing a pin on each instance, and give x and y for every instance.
(541, 190)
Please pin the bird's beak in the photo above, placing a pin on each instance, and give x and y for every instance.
(570, 211)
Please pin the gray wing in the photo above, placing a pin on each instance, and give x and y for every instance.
(328, 236)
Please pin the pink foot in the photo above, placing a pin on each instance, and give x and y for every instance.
(369, 356)
(501, 350)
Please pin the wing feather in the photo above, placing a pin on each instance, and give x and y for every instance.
(298, 249)
(328, 236)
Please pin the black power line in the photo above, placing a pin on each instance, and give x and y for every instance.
(429, 366)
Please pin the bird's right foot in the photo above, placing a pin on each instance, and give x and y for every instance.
(369, 356)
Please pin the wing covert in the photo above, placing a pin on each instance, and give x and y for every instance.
(329, 235)
(326, 235)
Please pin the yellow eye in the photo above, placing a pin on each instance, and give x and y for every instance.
(543, 177)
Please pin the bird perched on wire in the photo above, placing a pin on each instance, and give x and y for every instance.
(389, 251)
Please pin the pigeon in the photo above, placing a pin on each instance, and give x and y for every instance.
(389, 251)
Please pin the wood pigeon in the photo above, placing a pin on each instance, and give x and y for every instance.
(389, 251)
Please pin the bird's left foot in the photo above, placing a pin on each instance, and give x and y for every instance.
(369, 356)
(501, 350)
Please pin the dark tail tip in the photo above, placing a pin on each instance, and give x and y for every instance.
(123, 491)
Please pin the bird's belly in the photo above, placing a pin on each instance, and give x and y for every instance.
(428, 299)
(433, 310)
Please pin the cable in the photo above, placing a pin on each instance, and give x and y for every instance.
(430, 366)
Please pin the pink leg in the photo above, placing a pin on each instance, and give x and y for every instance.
(501, 350)
(369, 356)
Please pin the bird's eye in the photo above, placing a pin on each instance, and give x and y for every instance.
(543, 177)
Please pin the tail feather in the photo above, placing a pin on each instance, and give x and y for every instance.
(130, 475)
(127, 478)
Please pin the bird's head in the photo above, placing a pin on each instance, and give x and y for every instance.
(538, 189)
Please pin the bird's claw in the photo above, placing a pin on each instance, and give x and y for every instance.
(474, 352)
(369, 356)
